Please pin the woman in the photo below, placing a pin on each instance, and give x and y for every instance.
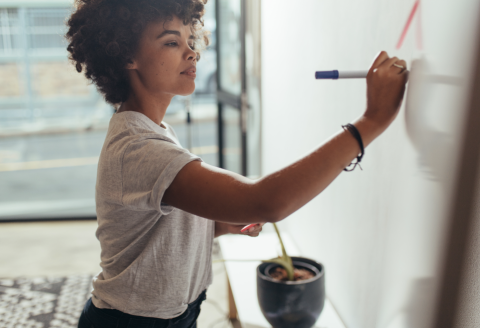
(158, 206)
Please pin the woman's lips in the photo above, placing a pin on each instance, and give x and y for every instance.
(191, 72)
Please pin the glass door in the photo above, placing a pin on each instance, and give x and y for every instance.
(231, 86)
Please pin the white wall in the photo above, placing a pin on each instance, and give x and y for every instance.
(378, 231)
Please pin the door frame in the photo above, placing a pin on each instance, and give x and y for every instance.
(227, 98)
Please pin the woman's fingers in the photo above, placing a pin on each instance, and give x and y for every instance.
(388, 63)
(252, 230)
(397, 65)
(381, 57)
(255, 230)
(384, 62)
(385, 89)
(254, 233)
(403, 64)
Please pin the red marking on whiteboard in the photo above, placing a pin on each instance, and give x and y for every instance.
(407, 26)
(419, 28)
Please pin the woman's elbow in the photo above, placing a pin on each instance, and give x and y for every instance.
(269, 212)
(266, 204)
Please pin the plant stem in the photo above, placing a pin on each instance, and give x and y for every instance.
(285, 260)
(284, 253)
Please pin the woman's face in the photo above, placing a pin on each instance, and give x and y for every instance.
(165, 61)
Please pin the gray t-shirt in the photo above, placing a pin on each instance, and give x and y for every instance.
(155, 258)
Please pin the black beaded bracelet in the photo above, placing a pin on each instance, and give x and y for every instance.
(353, 130)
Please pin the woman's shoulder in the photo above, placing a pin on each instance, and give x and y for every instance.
(129, 127)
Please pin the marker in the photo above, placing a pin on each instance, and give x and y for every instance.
(245, 228)
(335, 75)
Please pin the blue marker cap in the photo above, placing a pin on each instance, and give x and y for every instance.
(327, 75)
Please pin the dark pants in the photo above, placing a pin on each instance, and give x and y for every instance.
(93, 317)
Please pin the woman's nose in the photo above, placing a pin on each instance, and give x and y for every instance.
(191, 54)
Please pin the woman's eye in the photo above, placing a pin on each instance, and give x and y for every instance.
(174, 44)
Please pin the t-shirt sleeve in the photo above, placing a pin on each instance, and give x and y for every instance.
(148, 168)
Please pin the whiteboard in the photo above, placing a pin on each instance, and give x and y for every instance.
(379, 232)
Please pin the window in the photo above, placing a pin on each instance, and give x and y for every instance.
(53, 122)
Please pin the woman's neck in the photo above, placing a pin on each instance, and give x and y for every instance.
(152, 107)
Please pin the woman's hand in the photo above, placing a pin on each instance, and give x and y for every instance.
(227, 228)
(385, 89)
(252, 231)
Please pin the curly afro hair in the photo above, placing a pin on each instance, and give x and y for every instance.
(103, 37)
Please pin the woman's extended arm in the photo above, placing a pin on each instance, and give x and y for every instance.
(224, 196)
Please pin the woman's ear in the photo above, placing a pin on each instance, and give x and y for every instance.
(132, 64)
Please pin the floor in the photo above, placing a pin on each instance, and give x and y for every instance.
(56, 249)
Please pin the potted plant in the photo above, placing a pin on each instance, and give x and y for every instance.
(290, 290)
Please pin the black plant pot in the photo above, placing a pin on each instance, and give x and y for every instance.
(291, 304)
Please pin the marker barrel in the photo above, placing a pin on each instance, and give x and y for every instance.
(335, 75)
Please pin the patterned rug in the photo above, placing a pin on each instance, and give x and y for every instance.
(43, 302)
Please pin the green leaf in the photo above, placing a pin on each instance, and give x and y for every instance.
(285, 261)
